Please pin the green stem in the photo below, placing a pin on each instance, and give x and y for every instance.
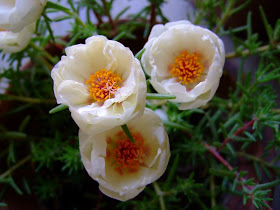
(13, 135)
(77, 18)
(119, 36)
(176, 125)
(267, 185)
(160, 194)
(225, 15)
(275, 110)
(248, 52)
(44, 52)
(65, 10)
(266, 24)
(26, 99)
(98, 17)
(47, 63)
(88, 16)
(212, 126)
(212, 189)
(3, 205)
(157, 96)
(127, 133)
(222, 173)
(212, 186)
(257, 159)
(199, 16)
(10, 170)
(107, 12)
(140, 53)
(172, 172)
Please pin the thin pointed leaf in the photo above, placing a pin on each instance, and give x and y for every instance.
(58, 108)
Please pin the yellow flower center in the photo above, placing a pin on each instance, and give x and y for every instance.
(103, 84)
(187, 67)
(127, 156)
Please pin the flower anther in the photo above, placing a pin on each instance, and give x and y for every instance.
(103, 84)
(125, 155)
(187, 67)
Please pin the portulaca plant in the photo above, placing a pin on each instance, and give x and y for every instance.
(144, 123)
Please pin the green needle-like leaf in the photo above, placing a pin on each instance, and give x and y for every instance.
(157, 96)
(58, 108)
(127, 133)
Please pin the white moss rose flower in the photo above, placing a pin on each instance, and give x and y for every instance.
(123, 168)
(184, 60)
(17, 23)
(17, 14)
(11, 42)
(102, 83)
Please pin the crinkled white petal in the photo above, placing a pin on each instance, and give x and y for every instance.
(128, 185)
(11, 42)
(165, 43)
(81, 61)
(119, 196)
(162, 114)
(17, 14)
(73, 93)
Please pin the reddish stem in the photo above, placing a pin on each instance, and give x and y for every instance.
(217, 155)
(153, 15)
(98, 17)
(107, 12)
(237, 133)
(269, 207)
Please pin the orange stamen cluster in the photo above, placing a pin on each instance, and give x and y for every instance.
(187, 67)
(103, 85)
(129, 156)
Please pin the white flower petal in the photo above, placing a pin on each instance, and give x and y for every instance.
(11, 42)
(72, 93)
(122, 197)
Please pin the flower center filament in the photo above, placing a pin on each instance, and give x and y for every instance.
(187, 67)
(129, 156)
(103, 84)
